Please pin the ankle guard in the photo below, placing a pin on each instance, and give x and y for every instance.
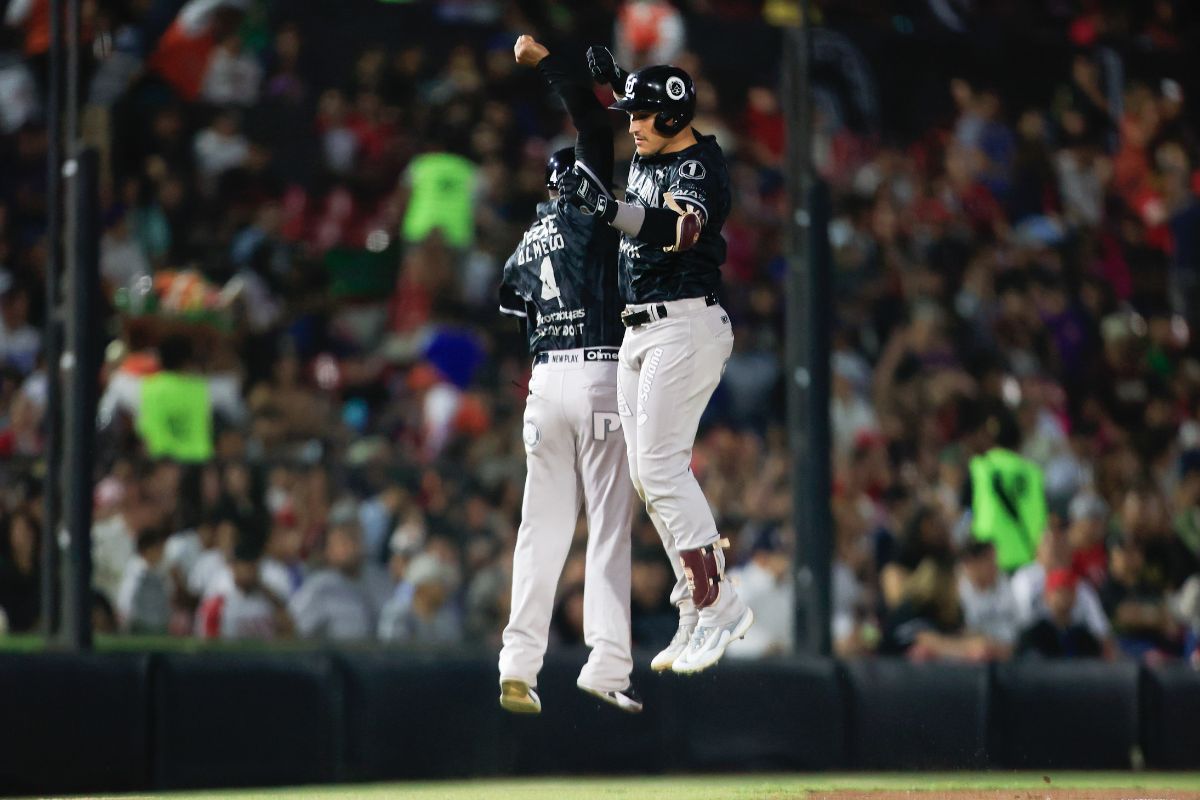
(704, 568)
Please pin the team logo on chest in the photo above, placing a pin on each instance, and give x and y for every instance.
(692, 170)
(643, 187)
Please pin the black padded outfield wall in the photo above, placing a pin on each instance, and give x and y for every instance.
(415, 718)
(1048, 714)
(126, 722)
(909, 716)
(1170, 717)
(246, 720)
(74, 723)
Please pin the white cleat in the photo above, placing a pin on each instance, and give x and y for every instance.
(708, 644)
(519, 697)
(679, 642)
(626, 699)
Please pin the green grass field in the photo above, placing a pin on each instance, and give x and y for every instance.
(727, 787)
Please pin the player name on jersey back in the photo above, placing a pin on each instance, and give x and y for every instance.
(542, 239)
(563, 278)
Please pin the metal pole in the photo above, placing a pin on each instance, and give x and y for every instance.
(73, 76)
(52, 334)
(806, 354)
(71, 135)
(84, 360)
(795, 109)
(819, 516)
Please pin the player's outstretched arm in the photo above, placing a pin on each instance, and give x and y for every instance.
(674, 228)
(594, 142)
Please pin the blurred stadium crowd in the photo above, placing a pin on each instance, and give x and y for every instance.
(300, 265)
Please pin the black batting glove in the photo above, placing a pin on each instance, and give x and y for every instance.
(604, 68)
(584, 192)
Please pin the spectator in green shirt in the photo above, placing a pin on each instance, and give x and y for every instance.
(1007, 495)
(175, 414)
(442, 196)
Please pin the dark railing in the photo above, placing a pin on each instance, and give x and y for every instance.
(150, 721)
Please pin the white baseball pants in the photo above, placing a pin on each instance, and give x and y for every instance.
(575, 455)
(669, 369)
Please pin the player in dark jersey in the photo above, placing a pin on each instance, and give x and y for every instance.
(562, 280)
(677, 337)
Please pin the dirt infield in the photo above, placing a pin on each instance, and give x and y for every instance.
(1047, 793)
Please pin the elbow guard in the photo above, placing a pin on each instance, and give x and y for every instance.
(687, 232)
(687, 226)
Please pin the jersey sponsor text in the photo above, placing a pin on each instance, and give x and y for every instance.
(568, 322)
(698, 180)
(643, 187)
(648, 372)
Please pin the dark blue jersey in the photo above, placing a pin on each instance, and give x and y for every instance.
(563, 279)
(698, 179)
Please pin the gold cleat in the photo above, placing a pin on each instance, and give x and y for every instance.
(519, 697)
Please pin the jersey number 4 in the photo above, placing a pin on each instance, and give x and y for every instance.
(550, 290)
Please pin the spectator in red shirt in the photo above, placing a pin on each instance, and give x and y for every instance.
(241, 607)
(186, 50)
(763, 124)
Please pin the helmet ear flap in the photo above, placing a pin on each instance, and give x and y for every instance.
(667, 123)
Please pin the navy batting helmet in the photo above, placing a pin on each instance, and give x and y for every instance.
(667, 91)
(558, 164)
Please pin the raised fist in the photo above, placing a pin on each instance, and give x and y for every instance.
(604, 68)
(528, 51)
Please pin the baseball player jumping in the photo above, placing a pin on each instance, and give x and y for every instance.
(562, 280)
(677, 336)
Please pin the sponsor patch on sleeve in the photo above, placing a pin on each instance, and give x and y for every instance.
(692, 170)
(692, 200)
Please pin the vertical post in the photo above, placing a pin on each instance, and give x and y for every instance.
(807, 351)
(70, 126)
(51, 336)
(818, 515)
(73, 75)
(83, 383)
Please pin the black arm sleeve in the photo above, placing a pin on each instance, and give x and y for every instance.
(659, 228)
(594, 145)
